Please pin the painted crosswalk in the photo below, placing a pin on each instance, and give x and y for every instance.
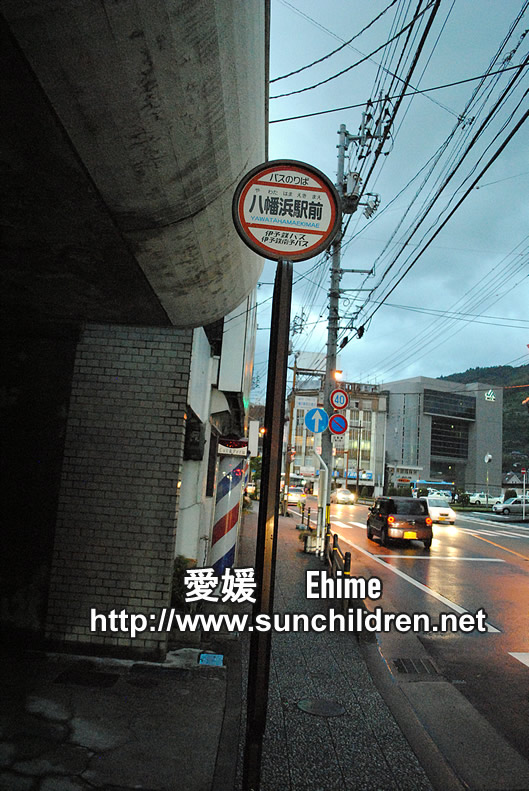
(521, 657)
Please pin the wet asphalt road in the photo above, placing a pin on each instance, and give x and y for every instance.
(480, 562)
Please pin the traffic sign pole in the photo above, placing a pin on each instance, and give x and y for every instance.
(287, 211)
(334, 305)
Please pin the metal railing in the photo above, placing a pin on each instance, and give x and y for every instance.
(336, 560)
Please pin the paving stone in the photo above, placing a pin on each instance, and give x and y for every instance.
(12, 782)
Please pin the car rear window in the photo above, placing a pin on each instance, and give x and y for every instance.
(411, 506)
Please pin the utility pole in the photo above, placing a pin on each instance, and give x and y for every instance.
(333, 318)
(358, 451)
(350, 201)
(288, 454)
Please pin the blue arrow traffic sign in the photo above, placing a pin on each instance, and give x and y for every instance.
(316, 420)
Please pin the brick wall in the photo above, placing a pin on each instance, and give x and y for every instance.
(115, 533)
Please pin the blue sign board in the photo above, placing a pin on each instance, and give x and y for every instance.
(316, 420)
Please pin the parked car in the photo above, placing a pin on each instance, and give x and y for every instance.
(295, 494)
(514, 505)
(344, 496)
(400, 517)
(480, 498)
(440, 493)
(439, 510)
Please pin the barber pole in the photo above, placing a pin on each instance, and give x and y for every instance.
(233, 470)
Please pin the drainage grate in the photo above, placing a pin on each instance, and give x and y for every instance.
(415, 666)
(87, 678)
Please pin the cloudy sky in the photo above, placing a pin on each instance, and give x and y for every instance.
(463, 301)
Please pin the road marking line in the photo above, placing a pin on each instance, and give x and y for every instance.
(506, 533)
(443, 557)
(523, 658)
(496, 523)
(342, 524)
(524, 557)
(419, 585)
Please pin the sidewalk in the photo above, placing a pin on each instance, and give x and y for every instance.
(360, 748)
(77, 724)
(409, 733)
(70, 723)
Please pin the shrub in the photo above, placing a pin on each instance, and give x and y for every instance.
(178, 590)
(510, 493)
(404, 491)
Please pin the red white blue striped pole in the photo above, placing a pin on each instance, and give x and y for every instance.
(230, 488)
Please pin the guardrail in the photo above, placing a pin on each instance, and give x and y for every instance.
(336, 560)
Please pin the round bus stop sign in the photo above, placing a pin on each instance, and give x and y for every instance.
(286, 210)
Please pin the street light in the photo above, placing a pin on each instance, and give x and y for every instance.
(487, 459)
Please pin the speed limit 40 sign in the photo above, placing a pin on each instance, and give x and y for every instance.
(339, 399)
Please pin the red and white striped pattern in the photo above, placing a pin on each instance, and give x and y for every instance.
(230, 487)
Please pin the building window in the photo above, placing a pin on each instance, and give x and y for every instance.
(449, 405)
(449, 438)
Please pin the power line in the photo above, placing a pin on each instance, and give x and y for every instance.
(330, 54)
(405, 95)
(362, 60)
(457, 315)
(426, 211)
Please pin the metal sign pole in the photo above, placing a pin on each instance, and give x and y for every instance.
(260, 201)
(265, 558)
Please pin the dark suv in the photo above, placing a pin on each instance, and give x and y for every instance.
(399, 517)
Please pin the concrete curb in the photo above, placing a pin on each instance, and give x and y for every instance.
(439, 772)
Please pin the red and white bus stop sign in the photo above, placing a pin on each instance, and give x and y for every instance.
(286, 210)
(339, 398)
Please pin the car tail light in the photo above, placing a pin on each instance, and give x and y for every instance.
(428, 521)
(391, 519)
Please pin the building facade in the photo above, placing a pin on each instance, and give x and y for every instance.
(358, 455)
(439, 430)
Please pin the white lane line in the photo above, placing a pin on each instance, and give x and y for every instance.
(442, 557)
(523, 658)
(342, 524)
(419, 585)
(497, 533)
(496, 524)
